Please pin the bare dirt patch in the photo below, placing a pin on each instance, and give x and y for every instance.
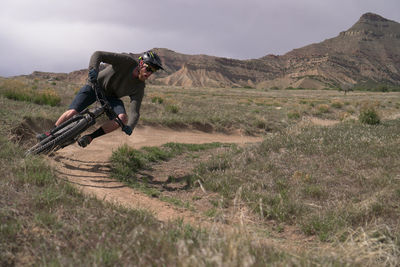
(25, 132)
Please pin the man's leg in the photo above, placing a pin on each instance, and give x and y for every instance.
(85, 97)
(112, 125)
(106, 128)
(65, 116)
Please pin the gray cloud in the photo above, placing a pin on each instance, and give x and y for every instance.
(60, 36)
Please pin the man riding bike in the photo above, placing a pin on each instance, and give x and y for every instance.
(124, 76)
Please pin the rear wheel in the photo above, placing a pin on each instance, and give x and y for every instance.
(61, 138)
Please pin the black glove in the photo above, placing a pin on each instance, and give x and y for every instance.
(127, 129)
(93, 75)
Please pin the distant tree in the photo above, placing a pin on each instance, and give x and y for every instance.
(346, 87)
(383, 88)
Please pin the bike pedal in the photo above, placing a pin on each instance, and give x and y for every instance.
(84, 141)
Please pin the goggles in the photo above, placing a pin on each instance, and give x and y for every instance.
(149, 68)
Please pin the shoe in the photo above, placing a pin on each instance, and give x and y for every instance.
(84, 140)
(42, 136)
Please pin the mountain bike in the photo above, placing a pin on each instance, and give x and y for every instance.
(69, 131)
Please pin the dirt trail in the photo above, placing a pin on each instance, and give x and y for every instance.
(89, 168)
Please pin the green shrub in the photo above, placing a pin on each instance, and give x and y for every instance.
(157, 100)
(382, 88)
(126, 162)
(369, 116)
(322, 108)
(294, 115)
(172, 109)
(42, 97)
(337, 104)
(260, 124)
(21, 91)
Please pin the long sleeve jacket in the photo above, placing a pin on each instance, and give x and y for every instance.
(118, 81)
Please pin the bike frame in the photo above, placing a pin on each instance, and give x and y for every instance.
(69, 131)
(93, 113)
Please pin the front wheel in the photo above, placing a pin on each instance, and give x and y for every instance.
(63, 137)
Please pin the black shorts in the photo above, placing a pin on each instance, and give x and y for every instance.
(86, 96)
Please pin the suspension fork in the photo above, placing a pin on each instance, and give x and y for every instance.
(69, 121)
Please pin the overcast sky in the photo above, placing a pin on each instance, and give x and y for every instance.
(61, 35)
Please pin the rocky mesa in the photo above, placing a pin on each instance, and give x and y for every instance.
(369, 51)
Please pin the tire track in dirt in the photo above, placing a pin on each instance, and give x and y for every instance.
(89, 168)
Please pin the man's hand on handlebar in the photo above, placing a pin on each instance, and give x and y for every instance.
(93, 75)
(127, 129)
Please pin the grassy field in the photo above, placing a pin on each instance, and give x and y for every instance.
(336, 187)
(250, 111)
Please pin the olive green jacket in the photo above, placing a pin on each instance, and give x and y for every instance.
(117, 79)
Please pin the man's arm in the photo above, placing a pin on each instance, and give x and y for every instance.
(134, 113)
(107, 57)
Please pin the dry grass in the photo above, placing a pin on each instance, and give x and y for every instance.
(18, 90)
(327, 181)
(45, 221)
(336, 187)
(375, 247)
(257, 112)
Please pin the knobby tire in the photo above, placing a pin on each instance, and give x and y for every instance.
(69, 134)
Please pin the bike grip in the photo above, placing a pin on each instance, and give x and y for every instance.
(127, 129)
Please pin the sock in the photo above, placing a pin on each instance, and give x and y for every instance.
(97, 133)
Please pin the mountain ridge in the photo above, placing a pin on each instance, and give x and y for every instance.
(368, 51)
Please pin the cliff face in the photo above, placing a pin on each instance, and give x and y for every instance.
(368, 51)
